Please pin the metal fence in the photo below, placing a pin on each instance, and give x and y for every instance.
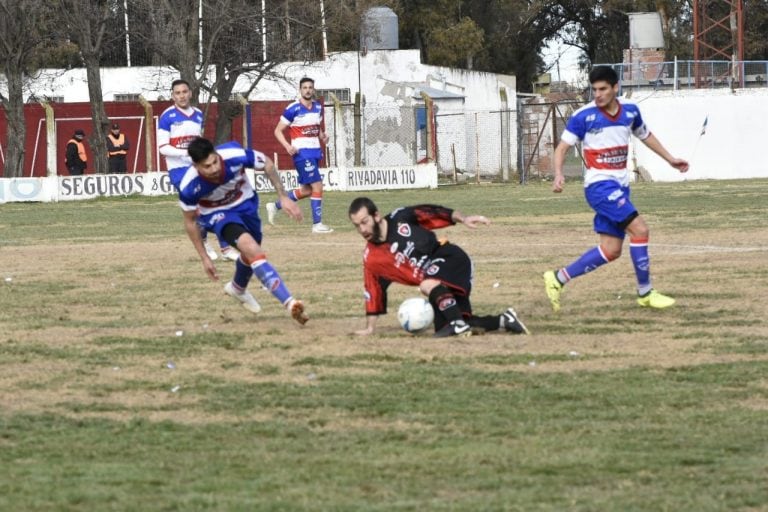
(689, 74)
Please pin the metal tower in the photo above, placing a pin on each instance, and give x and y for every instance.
(718, 34)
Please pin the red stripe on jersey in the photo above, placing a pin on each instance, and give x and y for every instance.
(607, 159)
(304, 131)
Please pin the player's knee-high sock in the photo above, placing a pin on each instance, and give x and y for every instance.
(293, 195)
(316, 202)
(444, 303)
(588, 262)
(243, 273)
(638, 250)
(486, 322)
(271, 280)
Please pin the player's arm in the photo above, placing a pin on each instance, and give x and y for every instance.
(375, 301)
(164, 144)
(471, 221)
(560, 152)
(289, 206)
(280, 136)
(654, 145)
(193, 232)
(323, 136)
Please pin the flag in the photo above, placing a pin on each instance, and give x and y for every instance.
(704, 126)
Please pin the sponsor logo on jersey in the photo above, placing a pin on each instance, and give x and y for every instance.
(433, 269)
(404, 230)
(393, 248)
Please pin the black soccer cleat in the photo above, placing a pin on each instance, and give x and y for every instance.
(454, 328)
(511, 323)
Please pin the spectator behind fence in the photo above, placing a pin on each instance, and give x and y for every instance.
(76, 160)
(117, 149)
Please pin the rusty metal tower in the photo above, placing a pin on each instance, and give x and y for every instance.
(718, 34)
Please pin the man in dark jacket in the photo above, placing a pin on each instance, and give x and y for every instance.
(76, 159)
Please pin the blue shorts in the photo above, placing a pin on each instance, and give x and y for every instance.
(612, 207)
(216, 221)
(308, 169)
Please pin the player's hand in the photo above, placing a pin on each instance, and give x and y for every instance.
(558, 183)
(291, 208)
(472, 221)
(679, 164)
(324, 138)
(210, 269)
(291, 150)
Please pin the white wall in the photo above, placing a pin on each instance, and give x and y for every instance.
(734, 145)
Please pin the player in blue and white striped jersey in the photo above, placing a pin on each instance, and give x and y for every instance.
(605, 127)
(215, 192)
(177, 126)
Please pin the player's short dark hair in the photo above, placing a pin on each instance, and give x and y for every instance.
(306, 79)
(179, 82)
(603, 74)
(200, 149)
(362, 202)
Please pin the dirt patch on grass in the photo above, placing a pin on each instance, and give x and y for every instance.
(60, 302)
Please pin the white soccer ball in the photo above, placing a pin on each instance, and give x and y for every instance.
(415, 314)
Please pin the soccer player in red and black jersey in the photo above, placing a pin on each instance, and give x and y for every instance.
(402, 248)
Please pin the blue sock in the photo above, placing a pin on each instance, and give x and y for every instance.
(638, 250)
(243, 274)
(271, 280)
(588, 262)
(291, 196)
(317, 209)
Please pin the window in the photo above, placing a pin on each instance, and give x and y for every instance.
(127, 97)
(342, 94)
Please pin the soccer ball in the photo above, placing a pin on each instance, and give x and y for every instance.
(415, 314)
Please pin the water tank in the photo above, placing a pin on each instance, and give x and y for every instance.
(379, 30)
(645, 30)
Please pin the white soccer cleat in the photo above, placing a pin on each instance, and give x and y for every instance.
(245, 297)
(271, 212)
(209, 251)
(230, 253)
(321, 228)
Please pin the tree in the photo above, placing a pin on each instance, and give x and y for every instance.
(86, 22)
(23, 35)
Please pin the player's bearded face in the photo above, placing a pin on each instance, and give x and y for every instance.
(369, 226)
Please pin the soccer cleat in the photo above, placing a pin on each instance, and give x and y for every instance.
(271, 212)
(245, 297)
(230, 253)
(209, 251)
(553, 289)
(511, 323)
(321, 228)
(654, 299)
(454, 328)
(296, 307)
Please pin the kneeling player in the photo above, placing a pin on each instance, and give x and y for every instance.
(402, 248)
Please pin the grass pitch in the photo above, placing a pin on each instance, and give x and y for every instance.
(128, 381)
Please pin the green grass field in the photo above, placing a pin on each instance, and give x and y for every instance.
(130, 382)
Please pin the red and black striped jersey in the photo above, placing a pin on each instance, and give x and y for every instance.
(405, 255)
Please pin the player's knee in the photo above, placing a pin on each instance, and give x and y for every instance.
(610, 253)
